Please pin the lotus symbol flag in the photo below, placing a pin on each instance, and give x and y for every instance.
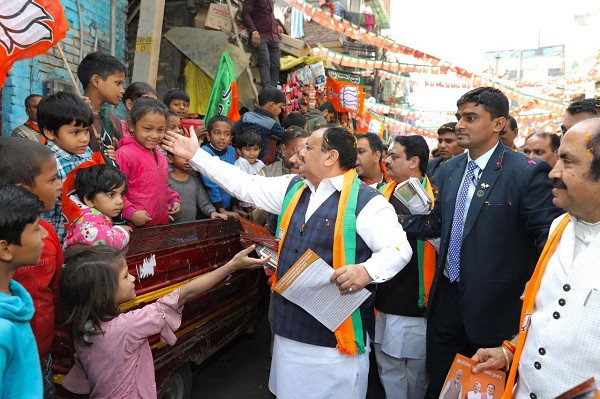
(349, 97)
(28, 28)
(345, 96)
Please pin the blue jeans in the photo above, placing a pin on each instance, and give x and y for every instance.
(268, 54)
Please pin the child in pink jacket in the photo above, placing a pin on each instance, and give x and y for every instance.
(99, 192)
(149, 201)
(113, 356)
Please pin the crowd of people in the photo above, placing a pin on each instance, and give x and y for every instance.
(499, 268)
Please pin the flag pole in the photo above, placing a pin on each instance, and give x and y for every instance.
(239, 43)
(62, 54)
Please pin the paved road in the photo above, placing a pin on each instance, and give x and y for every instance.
(241, 370)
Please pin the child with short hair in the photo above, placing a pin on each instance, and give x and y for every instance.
(134, 91)
(149, 200)
(174, 123)
(264, 118)
(219, 139)
(247, 146)
(39, 176)
(102, 77)
(64, 119)
(21, 243)
(177, 101)
(100, 190)
(192, 194)
(94, 283)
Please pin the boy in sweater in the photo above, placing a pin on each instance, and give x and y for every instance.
(39, 176)
(264, 118)
(21, 242)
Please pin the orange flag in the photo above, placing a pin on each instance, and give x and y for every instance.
(345, 96)
(28, 28)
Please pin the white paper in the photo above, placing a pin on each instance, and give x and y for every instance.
(313, 292)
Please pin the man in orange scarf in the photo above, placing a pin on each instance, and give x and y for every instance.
(368, 246)
(557, 345)
(400, 322)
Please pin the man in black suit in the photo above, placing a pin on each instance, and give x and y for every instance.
(447, 147)
(492, 213)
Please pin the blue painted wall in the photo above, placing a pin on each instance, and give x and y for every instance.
(27, 76)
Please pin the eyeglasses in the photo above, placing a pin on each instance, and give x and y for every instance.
(312, 147)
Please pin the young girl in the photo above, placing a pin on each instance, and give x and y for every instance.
(132, 93)
(149, 200)
(99, 190)
(219, 140)
(113, 357)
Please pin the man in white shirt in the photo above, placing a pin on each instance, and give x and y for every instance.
(475, 393)
(306, 362)
(557, 346)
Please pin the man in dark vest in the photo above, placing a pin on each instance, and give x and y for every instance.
(401, 302)
(308, 359)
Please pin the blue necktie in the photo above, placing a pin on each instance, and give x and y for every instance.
(458, 223)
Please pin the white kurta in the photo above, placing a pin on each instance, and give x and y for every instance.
(562, 345)
(301, 370)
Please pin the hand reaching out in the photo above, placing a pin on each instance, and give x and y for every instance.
(180, 145)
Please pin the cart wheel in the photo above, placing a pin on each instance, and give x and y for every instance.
(178, 385)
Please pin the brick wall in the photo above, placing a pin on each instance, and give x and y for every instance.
(27, 76)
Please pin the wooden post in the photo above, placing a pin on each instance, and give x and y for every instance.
(240, 45)
(147, 44)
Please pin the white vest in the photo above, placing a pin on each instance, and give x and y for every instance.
(562, 348)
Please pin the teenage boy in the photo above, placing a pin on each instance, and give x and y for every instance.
(264, 118)
(64, 119)
(21, 242)
(39, 176)
(30, 130)
(102, 77)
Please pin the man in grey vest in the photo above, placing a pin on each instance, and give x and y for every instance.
(307, 359)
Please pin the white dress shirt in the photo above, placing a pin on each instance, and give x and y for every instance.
(481, 162)
(561, 348)
(377, 223)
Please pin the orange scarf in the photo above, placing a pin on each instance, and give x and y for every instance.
(528, 303)
(349, 335)
(426, 253)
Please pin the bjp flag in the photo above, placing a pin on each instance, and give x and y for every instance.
(345, 96)
(371, 122)
(223, 98)
(28, 28)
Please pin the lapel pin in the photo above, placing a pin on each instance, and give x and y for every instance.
(480, 193)
(485, 185)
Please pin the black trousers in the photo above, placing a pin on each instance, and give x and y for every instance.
(268, 62)
(446, 335)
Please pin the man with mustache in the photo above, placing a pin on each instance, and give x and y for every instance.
(557, 346)
(492, 214)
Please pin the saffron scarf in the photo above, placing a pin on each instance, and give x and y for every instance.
(531, 291)
(426, 253)
(349, 335)
(35, 127)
